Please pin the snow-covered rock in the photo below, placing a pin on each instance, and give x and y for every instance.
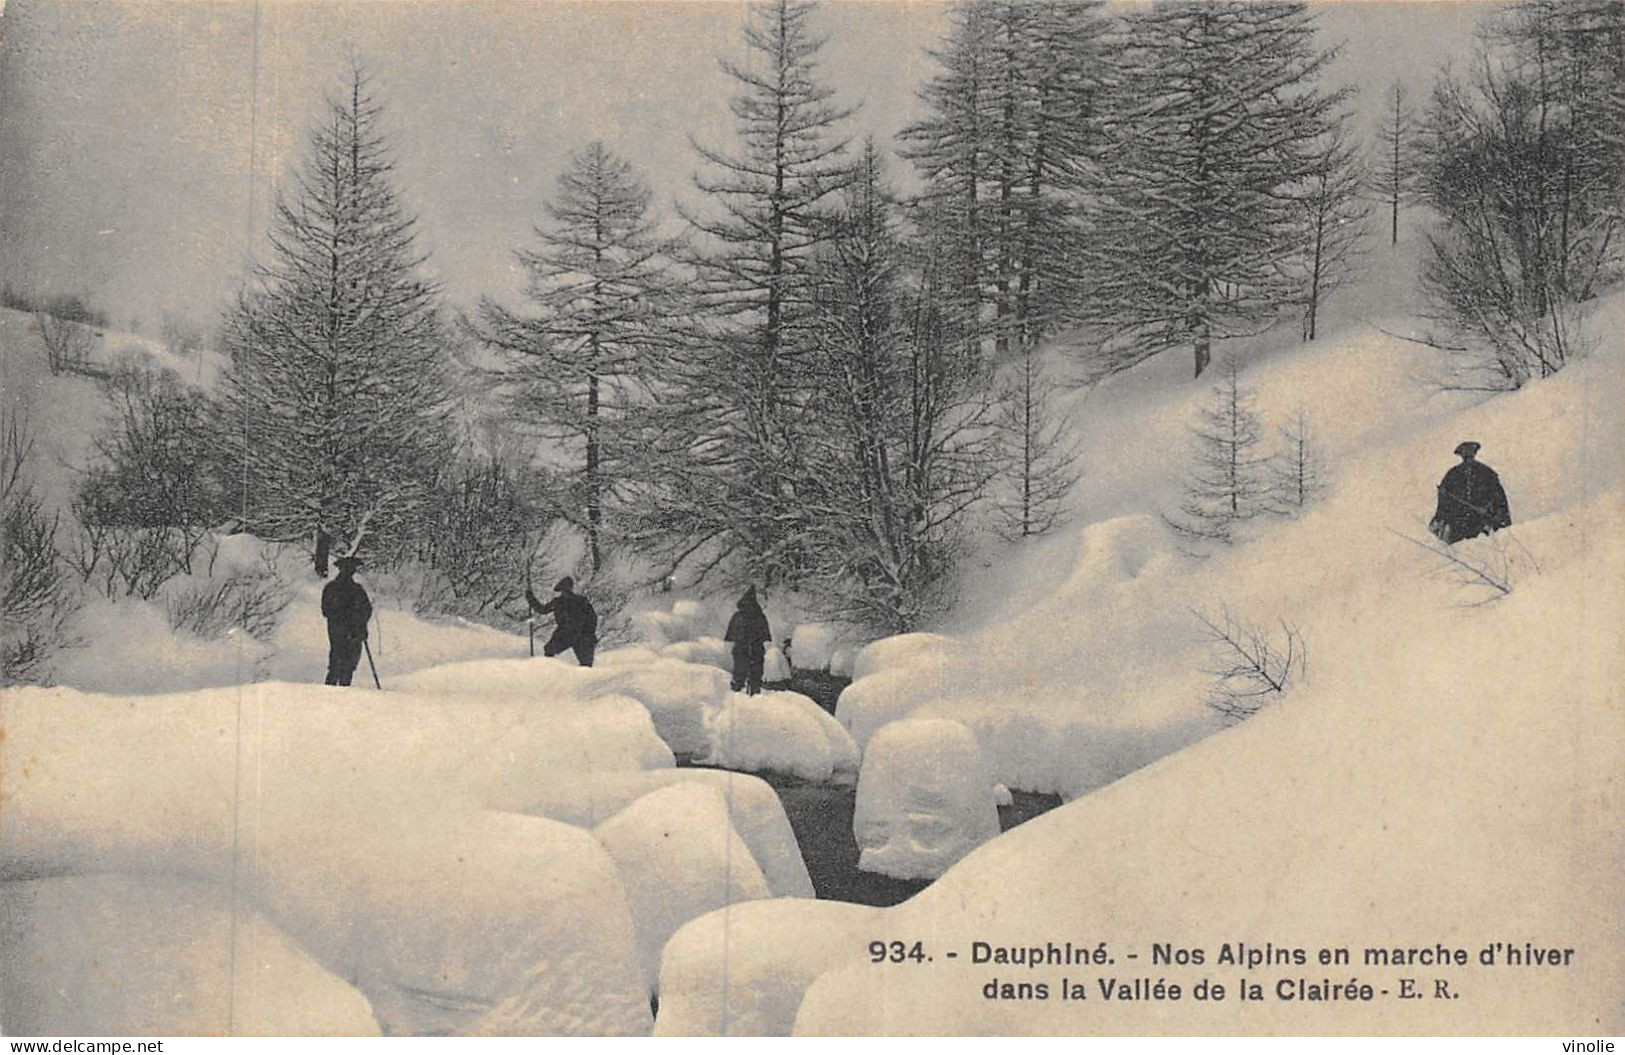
(924, 799)
(741, 973)
(629, 656)
(775, 667)
(842, 660)
(1002, 796)
(362, 824)
(710, 651)
(679, 858)
(688, 621)
(778, 732)
(656, 629)
(811, 645)
(126, 955)
(753, 808)
(678, 696)
(899, 650)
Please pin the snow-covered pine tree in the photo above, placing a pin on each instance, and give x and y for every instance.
(1394, 174)
(333, 403)
(1038, 457)
(901, 456)
(1298, 471)
(1334, 216)
(731, 456)
(583, 355)
(1228, 479)
(1012, 125)
(1216, 117)
(949, 147)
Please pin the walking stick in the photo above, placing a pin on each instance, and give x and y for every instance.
(368, 650)
(530, 617)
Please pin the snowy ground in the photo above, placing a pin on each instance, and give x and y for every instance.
(503, 845)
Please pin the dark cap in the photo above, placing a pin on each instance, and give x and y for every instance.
(1467, 449)
(564, 585)
(350, 563)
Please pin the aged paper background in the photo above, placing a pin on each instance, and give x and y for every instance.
(150, 184)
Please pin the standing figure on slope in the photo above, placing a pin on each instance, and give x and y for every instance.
(749, 632)
(347, 608)
(577, 627)
(1471, 500)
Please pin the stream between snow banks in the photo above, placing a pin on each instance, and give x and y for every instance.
(820, 815)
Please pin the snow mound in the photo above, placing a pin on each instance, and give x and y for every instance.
(130, 648)
(122, 955)
(779, 732)
(812, 645)
(362, 824)
(656, 629)
(630, 656)
(775, 668)
(924, 799)
(754, 810)
(841, 662)
(678, 696)
(1002, 796)
(679, 857)
(741, 973)
(900, 650)
(689, 620)
(709, 651)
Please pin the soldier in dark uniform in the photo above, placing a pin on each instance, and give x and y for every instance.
(577, 627)
(347, 608)
(749, 632)
(1471, 500)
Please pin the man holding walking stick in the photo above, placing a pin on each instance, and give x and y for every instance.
(347, 608)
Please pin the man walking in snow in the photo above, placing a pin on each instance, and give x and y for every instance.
(577, 621)
(749, 633)
(1471, 500)
(347, 608)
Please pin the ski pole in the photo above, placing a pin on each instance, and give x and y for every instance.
(368, 650)
(530, 617)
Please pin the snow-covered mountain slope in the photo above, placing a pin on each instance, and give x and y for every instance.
(1083, 657)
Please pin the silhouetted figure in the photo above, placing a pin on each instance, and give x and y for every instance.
(347, 608)
(749, 633)
(577, 627)
(1471, 500)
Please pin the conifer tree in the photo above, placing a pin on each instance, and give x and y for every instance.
(732, 458)
(1297, 469)
(901, 456)
(1394, 175)
(1227, 481)
(584, 355)
(1334, 217)
(1216, 117)
(335, 396)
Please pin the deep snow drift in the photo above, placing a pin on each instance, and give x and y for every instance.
(493, 863)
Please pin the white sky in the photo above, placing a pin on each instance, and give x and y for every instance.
(141, 142)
